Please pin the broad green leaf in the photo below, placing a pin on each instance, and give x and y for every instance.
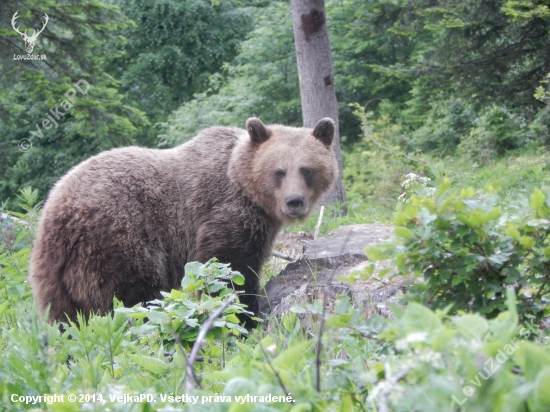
(527, 242)
(475, 325)
(153, 365)
(289, 322)
(402, 218)
(419, 318)
(156, 316)
(467, 193)
(232, 318)
(536, 200)
(245, 349)
(541, 393)
(512, 232)
(443, 187)
(403, 232)
(347, 404)
(339, 321)
(238, 279)
(177, 294)
(374, 253)
(292, 357)
(532, 359)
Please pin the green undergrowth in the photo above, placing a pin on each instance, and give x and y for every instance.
(511, 176)
(442, 351)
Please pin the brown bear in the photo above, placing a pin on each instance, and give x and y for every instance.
(125, 222)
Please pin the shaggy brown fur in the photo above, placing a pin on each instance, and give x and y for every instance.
(125, 222)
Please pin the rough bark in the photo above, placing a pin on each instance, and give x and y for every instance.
(316, 76)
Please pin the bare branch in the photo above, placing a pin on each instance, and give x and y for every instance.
(191, 381)
(391, 381)
(285, 390)
(282, 256)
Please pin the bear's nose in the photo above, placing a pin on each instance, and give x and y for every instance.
(295, 203)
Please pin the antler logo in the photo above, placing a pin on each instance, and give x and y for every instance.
(29, 40)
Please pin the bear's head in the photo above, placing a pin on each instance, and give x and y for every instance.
(282, 169)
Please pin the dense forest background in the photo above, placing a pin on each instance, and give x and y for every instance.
(437, 78)
(445, 127)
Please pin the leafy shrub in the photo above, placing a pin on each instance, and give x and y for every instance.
(468, 251)
(539, 126)
(374, 168)
(262, 81)
(495, 132)
(16, 239)
(437, 362)
(446, 124)
(182, 312)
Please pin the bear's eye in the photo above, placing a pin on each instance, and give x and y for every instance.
(306, 172)
(279, 174)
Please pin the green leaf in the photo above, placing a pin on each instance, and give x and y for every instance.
(403, 232)
(541, 393)
(347, 404)
(3, 307)
(443, 187)
(475, 325)
(404, 217)
(232, 318)
(532, 359)
(238, 279)
(153, 365)
(536, 200)
(512, 232)
(292, 357)
(375, 253)
(245, 350)
(419, 318)
(339, 321)
(527, 242)
(467, 193)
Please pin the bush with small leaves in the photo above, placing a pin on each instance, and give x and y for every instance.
(467, 250)
(181, 313)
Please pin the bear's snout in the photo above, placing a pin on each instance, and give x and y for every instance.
(296, 205)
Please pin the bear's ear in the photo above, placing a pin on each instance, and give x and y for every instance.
(324, 131)
(257, 131)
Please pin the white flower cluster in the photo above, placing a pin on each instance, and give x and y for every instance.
(408, 184)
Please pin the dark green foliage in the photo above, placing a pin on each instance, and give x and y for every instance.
(76, 42)
(445, 66)
(447, 123)
(262, 81)
(182, 312)
(494, 133)
(364, 49)
(467, 251)
(172, 50)
(479, 50)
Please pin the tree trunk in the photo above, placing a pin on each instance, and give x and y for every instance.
(317, 76)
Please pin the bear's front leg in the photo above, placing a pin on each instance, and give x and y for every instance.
(244, 253)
